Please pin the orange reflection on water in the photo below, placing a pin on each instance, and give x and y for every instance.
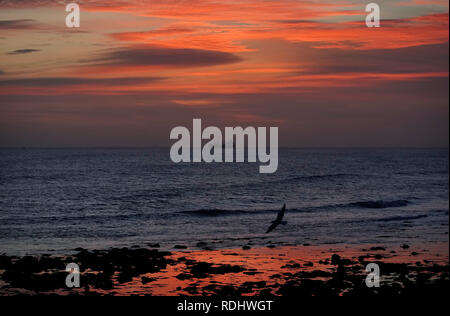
(269, 265)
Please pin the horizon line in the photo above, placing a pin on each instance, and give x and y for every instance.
(168, 147)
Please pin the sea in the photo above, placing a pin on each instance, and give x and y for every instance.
(53, 201)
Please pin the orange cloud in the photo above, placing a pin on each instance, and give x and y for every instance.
(236, 36)
(245, 47)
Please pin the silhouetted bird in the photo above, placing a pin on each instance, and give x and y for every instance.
(278, 221)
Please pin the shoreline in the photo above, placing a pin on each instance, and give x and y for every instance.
(273, 271)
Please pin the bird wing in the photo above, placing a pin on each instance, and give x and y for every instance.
(281, 213)
(272, 227)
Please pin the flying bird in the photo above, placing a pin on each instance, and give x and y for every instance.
(278, 221)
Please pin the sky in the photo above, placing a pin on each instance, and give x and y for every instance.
(136, 69)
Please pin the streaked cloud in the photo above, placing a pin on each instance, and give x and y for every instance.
(164, 56)
(23, 51)
(19, 24)
(61, 81)
(137, 68)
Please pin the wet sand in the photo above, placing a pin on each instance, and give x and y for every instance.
(269, 271)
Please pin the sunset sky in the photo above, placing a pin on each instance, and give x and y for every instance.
(136, 69)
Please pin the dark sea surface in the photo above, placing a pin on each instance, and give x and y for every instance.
(54, 200)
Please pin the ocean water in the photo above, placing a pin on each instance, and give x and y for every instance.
(54, 200)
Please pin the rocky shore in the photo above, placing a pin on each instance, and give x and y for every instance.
(271, 271)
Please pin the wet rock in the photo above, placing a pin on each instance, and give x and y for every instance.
(189, 262)
(184, 276)
(28, 264)
(50, 263)
(275, 276)
(146, 280)
(251, 272)
(313, 274)
(259, 284)
(191, 289)
(5, 262)
(101, 281)
(203, 269)
(125, 276)
(291, 266)
(128, 263)
(266, 293)
(306, 288)
(377, 249)
(222, 291)
(398, 268)
(378, 256)
(36, 282)
(335, 259)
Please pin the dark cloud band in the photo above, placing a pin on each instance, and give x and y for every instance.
(162, 56)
